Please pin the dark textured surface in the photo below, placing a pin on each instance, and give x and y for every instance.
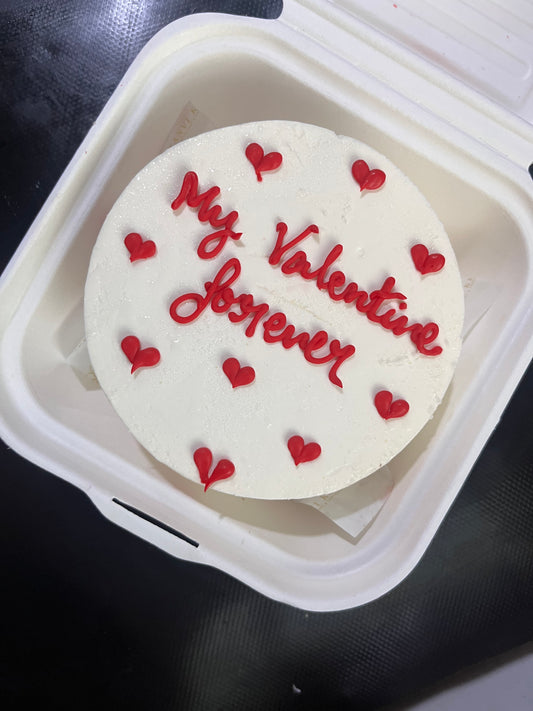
(95, 618)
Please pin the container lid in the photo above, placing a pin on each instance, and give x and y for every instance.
(487, 45)
(471, 66)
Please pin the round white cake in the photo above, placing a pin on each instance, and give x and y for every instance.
(273, 310)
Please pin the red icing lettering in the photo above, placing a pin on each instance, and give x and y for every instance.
(389, 408)
(262, 163)
(276, 322)
(336, 280)
(315, 343)
(377, 298)
(280, 248)
(221, 297)
(288, 339)
(258, 311)
(367, 179)
(295, 264)
(341, 354)
(139, 248)
(203, 459)
(320, 273)
(301, 452)
(425, 262)
(213, 289)
(236, 374)
(212, 244)
(421, 334)
(137, 356)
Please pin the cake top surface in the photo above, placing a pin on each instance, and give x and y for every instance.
(273, 310)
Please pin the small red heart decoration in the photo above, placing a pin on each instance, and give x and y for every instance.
(139, 358)
(302, 452)
(389, 408)
(425, 262)
(203, 458)
(367, 179)
(236, 375)
(261, 162)
(139, 248)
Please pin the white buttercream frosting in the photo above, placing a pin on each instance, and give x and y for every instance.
(186, 401)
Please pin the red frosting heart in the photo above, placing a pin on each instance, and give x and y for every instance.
(262, 162)
(139, 248)
(236, 375)
(302, 452)
(425, 262)
(367, 179)
(139, 358)
(203, 458)
(389, 408)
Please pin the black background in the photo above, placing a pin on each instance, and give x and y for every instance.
(93, 617)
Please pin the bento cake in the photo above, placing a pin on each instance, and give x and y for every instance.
(273, 310)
